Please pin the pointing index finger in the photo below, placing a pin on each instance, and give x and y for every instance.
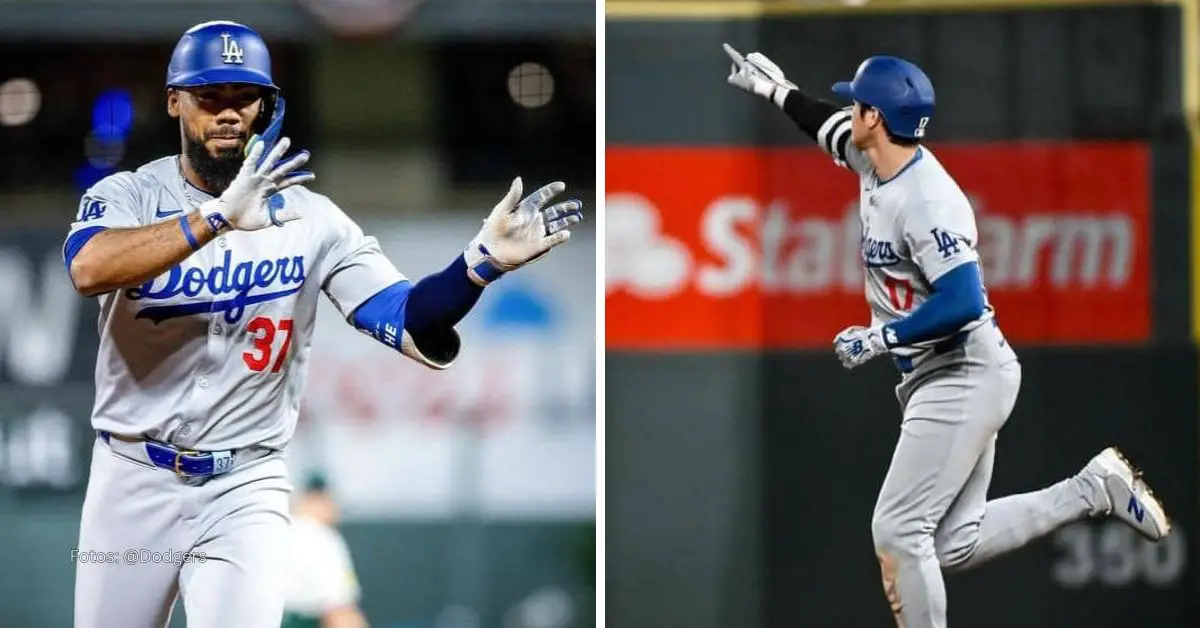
(733, 54)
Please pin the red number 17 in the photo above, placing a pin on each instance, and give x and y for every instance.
(901, 293)
(264, 330)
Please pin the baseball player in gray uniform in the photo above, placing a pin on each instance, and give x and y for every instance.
(208, 267)
(930, 314)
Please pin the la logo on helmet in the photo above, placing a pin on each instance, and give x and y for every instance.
(232, 52)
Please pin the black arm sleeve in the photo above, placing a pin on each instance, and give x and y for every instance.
(807, 112)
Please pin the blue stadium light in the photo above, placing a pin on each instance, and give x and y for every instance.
(112, 119)
(112, 115)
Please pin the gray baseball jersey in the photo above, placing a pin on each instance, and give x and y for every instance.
(213, 354)
(916, 227)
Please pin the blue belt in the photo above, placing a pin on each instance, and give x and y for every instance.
(905, 364)
(184, 462)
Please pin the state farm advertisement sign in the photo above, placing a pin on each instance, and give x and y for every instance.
(720, 248)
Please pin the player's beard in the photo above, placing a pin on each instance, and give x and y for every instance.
(217, 172)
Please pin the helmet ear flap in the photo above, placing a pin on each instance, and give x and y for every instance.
(270, 104)
(272, 124)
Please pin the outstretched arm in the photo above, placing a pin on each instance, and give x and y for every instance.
(822, 121)
(422, 314)
(419, 319)
(810, 114)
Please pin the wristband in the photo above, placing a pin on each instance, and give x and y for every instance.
(216, 222)
(187, 233)
(482, 268)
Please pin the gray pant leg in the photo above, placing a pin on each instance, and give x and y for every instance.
(129, 508)
(241, 523)
(932, 462)
(976, 530)
(951, 420)
(957, 538)
(933, 513)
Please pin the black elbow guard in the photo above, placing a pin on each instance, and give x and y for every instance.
(807, 112)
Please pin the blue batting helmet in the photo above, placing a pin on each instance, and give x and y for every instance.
(220, 52)
(899, 89)
(228, 52)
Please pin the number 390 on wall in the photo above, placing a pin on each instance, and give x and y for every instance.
(1112, 555)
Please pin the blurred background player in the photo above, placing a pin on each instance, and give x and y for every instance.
(323, 589)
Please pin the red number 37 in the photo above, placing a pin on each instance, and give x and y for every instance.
(264, 330)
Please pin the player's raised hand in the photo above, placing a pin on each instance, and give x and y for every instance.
(252, 202)
(756, 74)
(520, 230)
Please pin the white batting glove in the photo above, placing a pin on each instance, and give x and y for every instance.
(517, 233)
(251, 202)
(856, 345)
(758, 75)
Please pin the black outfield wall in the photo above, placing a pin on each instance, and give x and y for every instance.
(740, 491)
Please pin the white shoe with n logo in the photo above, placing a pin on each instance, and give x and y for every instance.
(1129, 497)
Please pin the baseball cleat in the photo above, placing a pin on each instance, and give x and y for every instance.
(1129, 497)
